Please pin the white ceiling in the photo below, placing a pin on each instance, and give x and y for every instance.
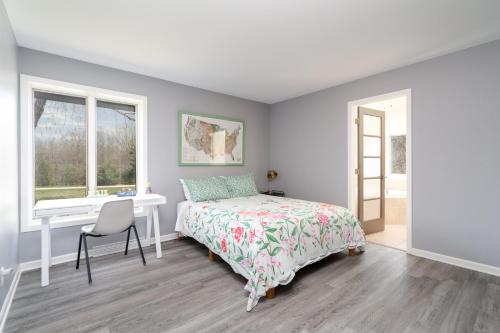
(263, 50)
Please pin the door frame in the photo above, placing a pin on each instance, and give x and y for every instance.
(352, 109)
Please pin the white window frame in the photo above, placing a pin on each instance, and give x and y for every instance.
(30, 83)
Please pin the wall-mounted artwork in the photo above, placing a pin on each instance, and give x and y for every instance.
(210, 140)
(398, 154)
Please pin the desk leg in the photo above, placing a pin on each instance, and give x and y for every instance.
(148, 226)
(156, 225)
(50, 248)
(45, 251)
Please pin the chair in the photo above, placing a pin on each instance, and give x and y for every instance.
(115, 217)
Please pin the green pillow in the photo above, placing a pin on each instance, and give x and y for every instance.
(203, 189)
(241, 186)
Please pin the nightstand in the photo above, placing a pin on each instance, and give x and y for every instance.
(274, 193)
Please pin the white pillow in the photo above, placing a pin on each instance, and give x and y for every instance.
(186, 190)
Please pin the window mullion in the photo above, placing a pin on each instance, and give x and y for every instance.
(91, 147)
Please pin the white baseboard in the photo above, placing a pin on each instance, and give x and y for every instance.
(4, 311)
(96, 251)
(475, 266)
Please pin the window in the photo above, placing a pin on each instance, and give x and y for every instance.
(60, 132)
(77, 140)
(116, 160)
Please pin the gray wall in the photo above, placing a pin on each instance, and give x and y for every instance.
(8, 150)
(165, 99)
(456, 148)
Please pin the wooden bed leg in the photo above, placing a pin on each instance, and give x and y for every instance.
(270, 293)
(352, 252)
(211, 256)
(179, 236)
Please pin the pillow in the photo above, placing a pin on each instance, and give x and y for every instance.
(204, 189)
(241, 186)
(186, 190)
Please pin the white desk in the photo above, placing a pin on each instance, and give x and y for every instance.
(47, 209)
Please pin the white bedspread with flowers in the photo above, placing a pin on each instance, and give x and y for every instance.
(267, 239)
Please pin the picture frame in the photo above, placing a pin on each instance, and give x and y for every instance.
(398, 154)
(210, 140)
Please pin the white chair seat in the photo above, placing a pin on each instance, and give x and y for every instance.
(115, 217)
(88, 229)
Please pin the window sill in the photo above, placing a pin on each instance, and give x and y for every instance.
(70, 221)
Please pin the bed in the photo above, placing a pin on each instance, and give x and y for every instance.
(267, 239)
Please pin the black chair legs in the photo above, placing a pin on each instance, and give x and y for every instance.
(128, 240)
(139, 244)
(87, 257)
(83, 237)
(79, 250)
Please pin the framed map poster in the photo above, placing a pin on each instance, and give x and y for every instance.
(210, 140)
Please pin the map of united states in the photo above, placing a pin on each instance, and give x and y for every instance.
(209, 138)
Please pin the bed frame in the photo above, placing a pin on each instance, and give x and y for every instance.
(270, 293)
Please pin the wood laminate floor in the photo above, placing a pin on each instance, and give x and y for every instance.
(382, 290)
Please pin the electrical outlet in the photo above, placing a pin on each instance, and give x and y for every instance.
(3, 272)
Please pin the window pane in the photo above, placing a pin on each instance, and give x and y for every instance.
(371, 167)
(371, 188)
(371, 125)
(116, 160)
(371, 210)
(60, 146)
(372, 146)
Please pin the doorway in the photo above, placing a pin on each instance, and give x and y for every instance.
(380, 167)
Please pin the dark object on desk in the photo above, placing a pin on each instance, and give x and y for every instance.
(275, 193)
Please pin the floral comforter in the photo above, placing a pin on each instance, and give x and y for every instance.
(267, 239)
